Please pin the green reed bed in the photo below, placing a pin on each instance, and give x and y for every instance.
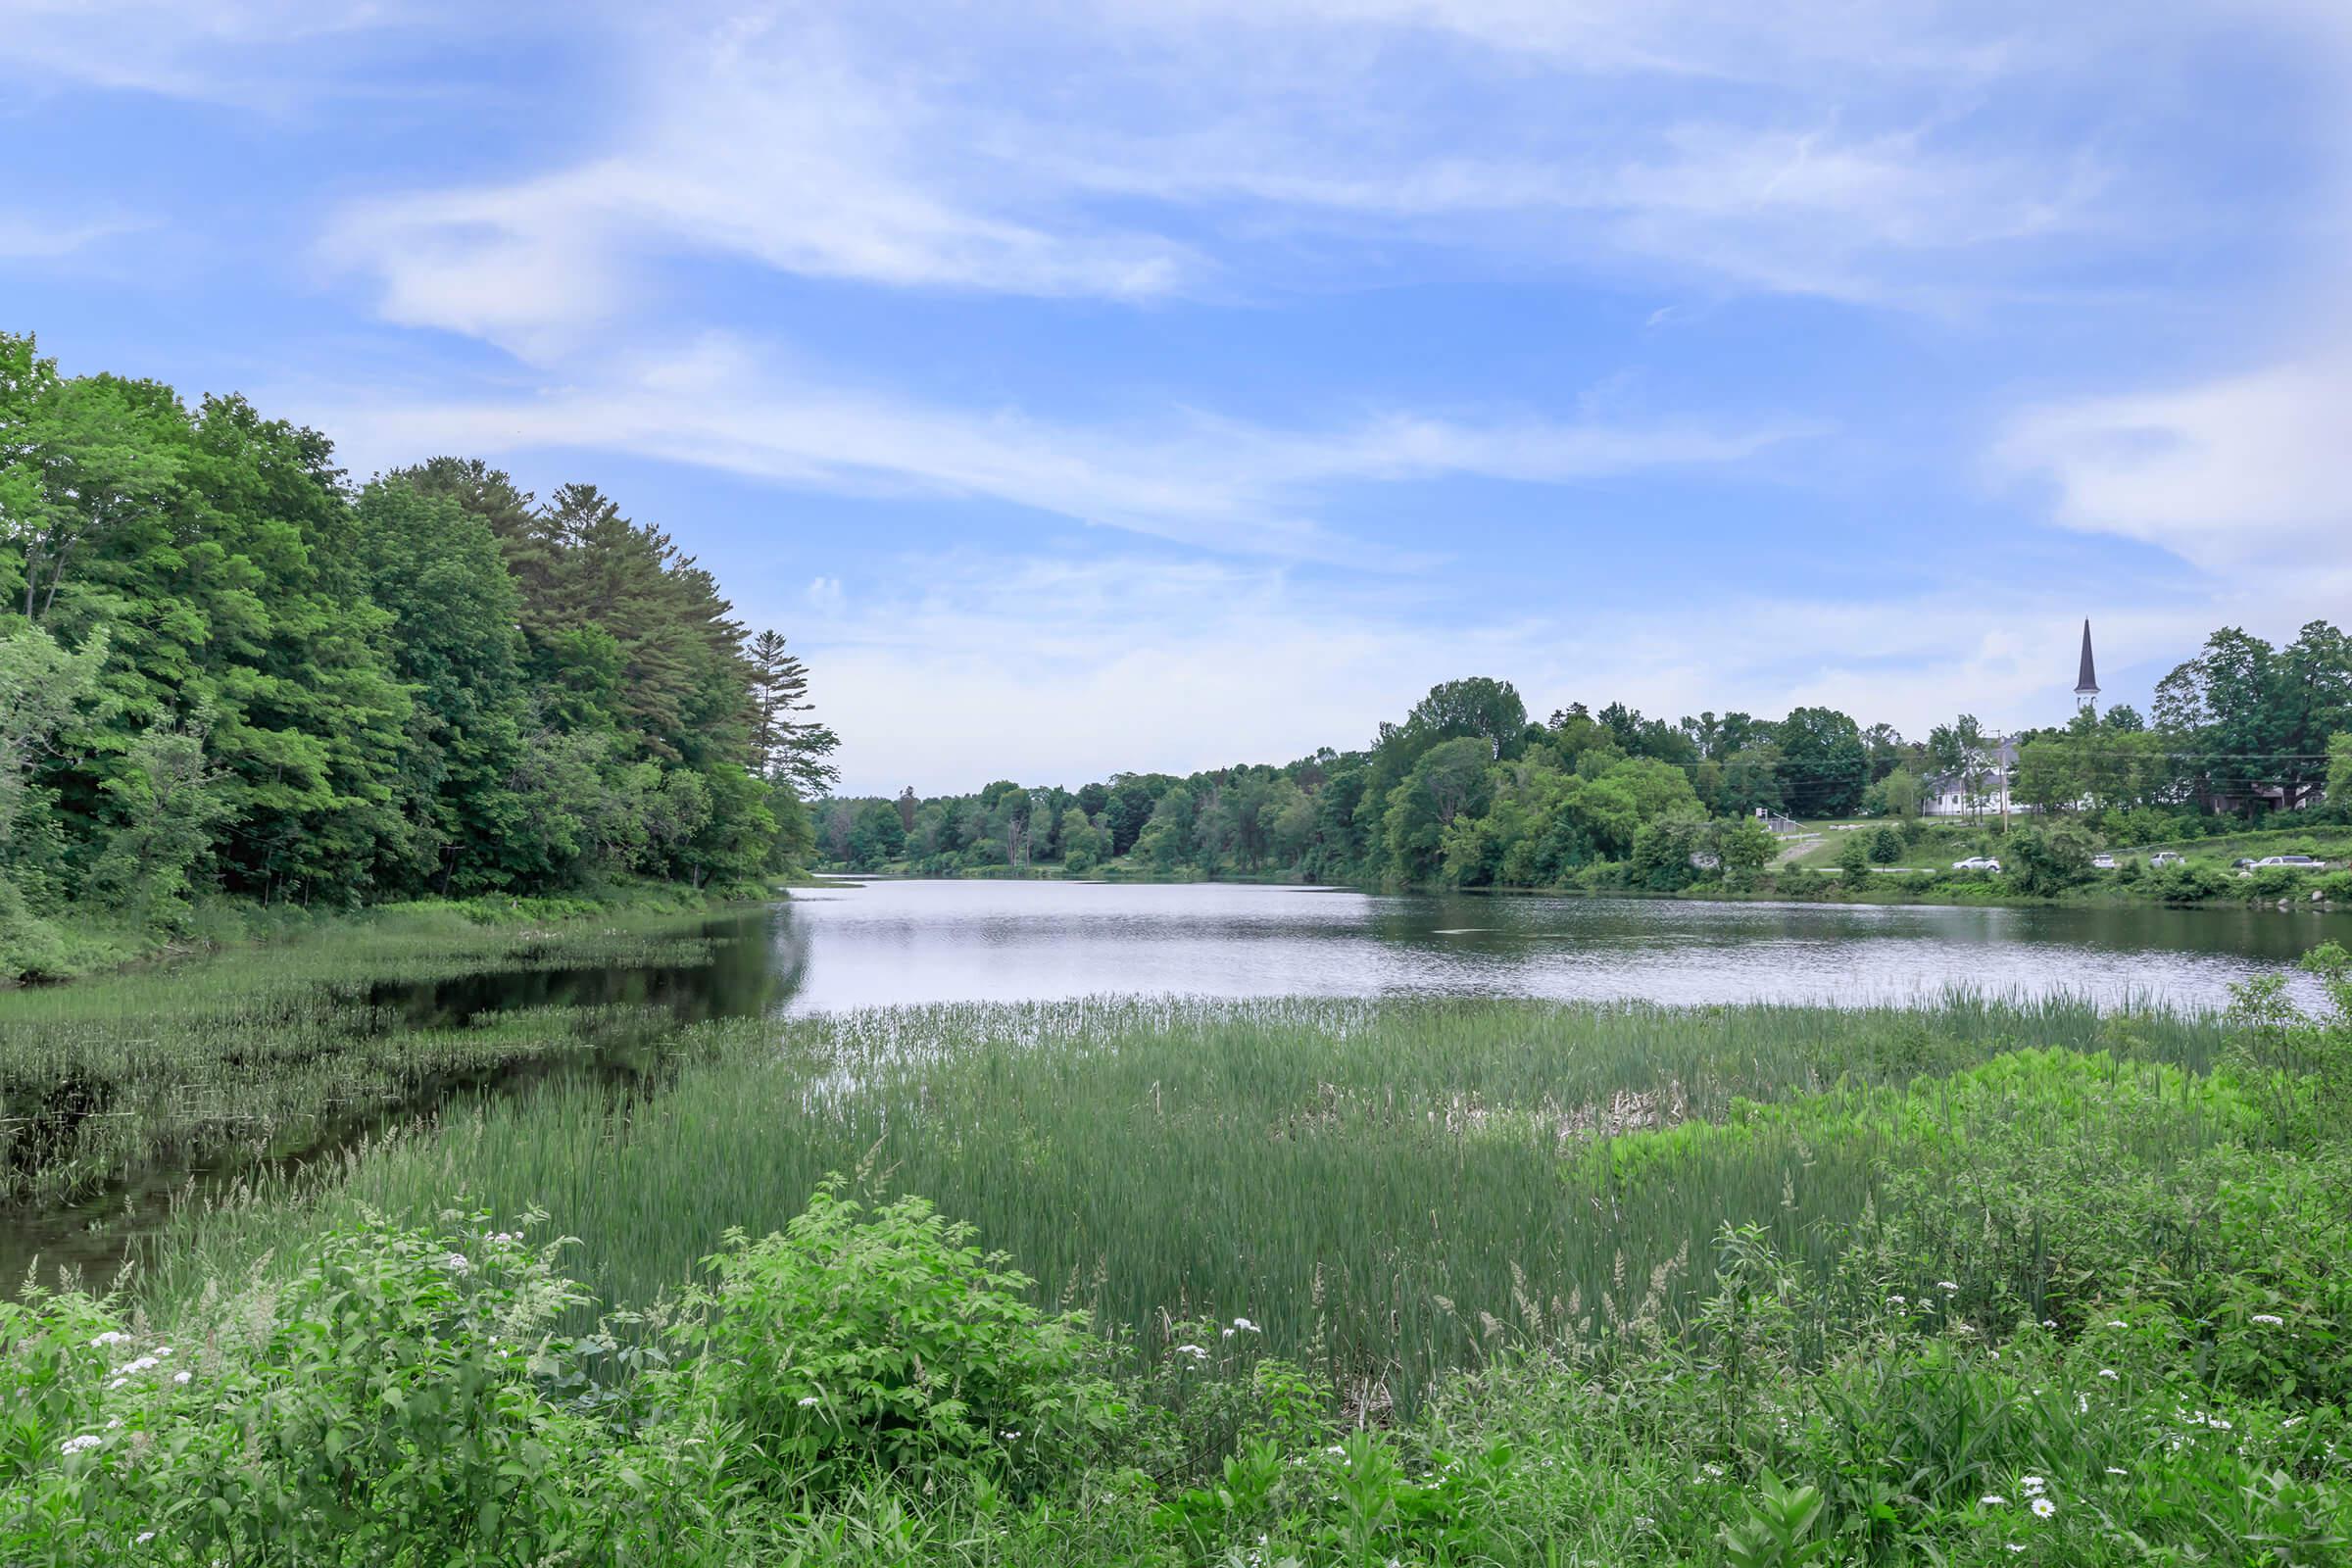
(1386, 1187)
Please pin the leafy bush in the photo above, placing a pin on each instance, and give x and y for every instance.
(880, 1338)
(385, 1406)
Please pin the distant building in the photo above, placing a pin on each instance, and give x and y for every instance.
(1984, 789)
(1973, 791)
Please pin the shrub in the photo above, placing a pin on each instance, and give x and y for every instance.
(864, 1340)
(386, 1406)
(1887, 845)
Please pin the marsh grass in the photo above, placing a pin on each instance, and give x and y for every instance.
(1389, 1187)
(114, 1091)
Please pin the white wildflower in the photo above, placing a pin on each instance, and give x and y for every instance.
(110, 1337)
(142, 1537)
(1992, 1499)
(2116, 1323)
(2014, 1546)
(1898, 1300)
(2273, 1319)
(1245, 1325)
(1947, 1286)
(88, 1440)
(2114, 1471)
(2219, 1425)
(457, 1263)
(181, 1376)
(2032, 1484)
(808, 1399)
(2049, 1322)
(1714, 1471)
(2043, 1507)
(2109, 1373)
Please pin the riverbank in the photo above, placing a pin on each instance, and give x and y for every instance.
(1475, 1282)
(50, 950)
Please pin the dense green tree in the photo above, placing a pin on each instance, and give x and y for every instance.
(876, 837)
(1824, 764)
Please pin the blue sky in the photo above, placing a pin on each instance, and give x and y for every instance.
(1179, 382)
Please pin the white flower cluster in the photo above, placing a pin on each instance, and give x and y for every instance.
(2273, 1319)
(457, 1263)
(81, 1443)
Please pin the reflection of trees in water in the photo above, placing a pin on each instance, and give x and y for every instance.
(754, 964)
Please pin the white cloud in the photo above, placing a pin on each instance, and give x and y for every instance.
(229, 51)
(1217, 483)
(2222, 472)
(24, 237)
(1157, 148)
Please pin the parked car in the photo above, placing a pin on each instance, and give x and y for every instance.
(2163, 858)
(2102, 862)
(1976, 862)
(2300, 862)
(2244, 863)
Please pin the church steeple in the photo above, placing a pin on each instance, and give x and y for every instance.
(2086, 684)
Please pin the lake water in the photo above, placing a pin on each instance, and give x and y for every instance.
(883, 942)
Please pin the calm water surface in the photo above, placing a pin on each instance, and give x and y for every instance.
(883, 942)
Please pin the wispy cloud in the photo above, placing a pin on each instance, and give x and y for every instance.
(226, 51)
(1112, 157)
(1220, 483)
(24, 237)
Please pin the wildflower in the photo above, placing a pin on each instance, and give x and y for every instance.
(163, 1350)
(457, 1263)
(2109, 1373)
(88, 1440)
(2219, 1425)
(2043, 1507)
(2014, 1546)
(1714, 1471)
(2114, 1471)
(1335, 1450)
(1964, 1328)
(1009, 1435)
(808, 1399)
(1898, 1300)
(1192, 1350)
(2271, 1318)
(2082, 1405)
(1245, 1325)
(1947, 1286)
(2032, 1484)
(2049, 1322)
(1992, 1499)
(142, 1537)
(181, 1376)
(2116, 1323)
(110, 1337)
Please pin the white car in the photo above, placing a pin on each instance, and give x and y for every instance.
(2102, 862)
(2163, 858)
(2297, 863)
(1976, 862)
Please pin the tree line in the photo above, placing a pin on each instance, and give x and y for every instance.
(226, 667)
(1466, 790)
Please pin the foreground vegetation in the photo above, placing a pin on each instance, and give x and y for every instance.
(1328, 1283)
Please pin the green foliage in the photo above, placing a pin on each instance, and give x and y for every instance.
(222, 671)
(2048, 859)
(881, 1338)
